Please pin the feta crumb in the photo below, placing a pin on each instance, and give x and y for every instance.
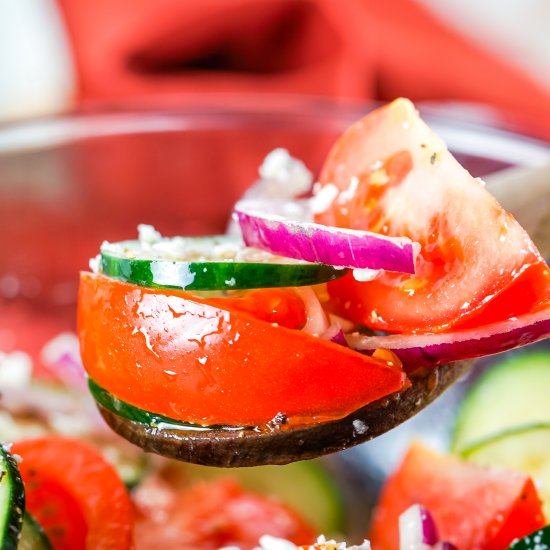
(95, 264)
(285, 176)
(15, 369)
(268, 542)
(365, 275)
(323, 198)
(359, 427)
(147, 234)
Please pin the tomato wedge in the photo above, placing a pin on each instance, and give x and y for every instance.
(209, 515)
(391, 174)
(75, 494)
(172, 353)
(474, 508)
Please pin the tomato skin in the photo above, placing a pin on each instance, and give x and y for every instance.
(209, 515)
(75, 494)
(474, 508)
(169, 352)
(396, 177)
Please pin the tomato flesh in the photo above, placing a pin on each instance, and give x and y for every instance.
(473, 507)
(394, 176)
(75, 494)
(210, 515)
(274, 305)
(57, 511)
(169, 352)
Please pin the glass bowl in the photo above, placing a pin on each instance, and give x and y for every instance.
(68, 183)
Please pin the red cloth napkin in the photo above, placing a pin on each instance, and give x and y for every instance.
(167, 51)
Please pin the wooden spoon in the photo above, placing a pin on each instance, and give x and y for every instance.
(526, 193)
(254, 448)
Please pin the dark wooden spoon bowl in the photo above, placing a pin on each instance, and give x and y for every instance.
(248, 447)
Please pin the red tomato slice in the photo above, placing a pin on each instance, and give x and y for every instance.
(210, 515)
(473, 507)
(75, 494)
(274, 305)
(172, 353)
(391, 174)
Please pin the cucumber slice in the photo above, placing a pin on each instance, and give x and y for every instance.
(33, 536)
(522, 449)
(12, 501)
(538, 540)
(130, 412)
(207, 263)
(512, 393)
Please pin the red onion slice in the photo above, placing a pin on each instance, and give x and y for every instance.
(334, 246)
(316, 318)
(335, 334)
(428, 350)
(417, 529)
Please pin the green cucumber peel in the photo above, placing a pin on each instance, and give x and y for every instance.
(508, 433)
(512, 393)
(538, 540)
(210, 270)
(33, 536)
(154, 420)
(12, 500)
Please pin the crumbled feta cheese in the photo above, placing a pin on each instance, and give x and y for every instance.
(15, 370)
(285, 176)
(95, 264)
(365, 275)
(282, 179)
(349, 193)
(148, 234)
(359, 427)
(268, 542)
(323, 198)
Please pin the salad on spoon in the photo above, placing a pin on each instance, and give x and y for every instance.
(338, 312)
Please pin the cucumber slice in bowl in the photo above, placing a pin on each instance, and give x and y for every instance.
(523, 449)
(512, 393)
(33, 536)
(207, 263)
(12, 501)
